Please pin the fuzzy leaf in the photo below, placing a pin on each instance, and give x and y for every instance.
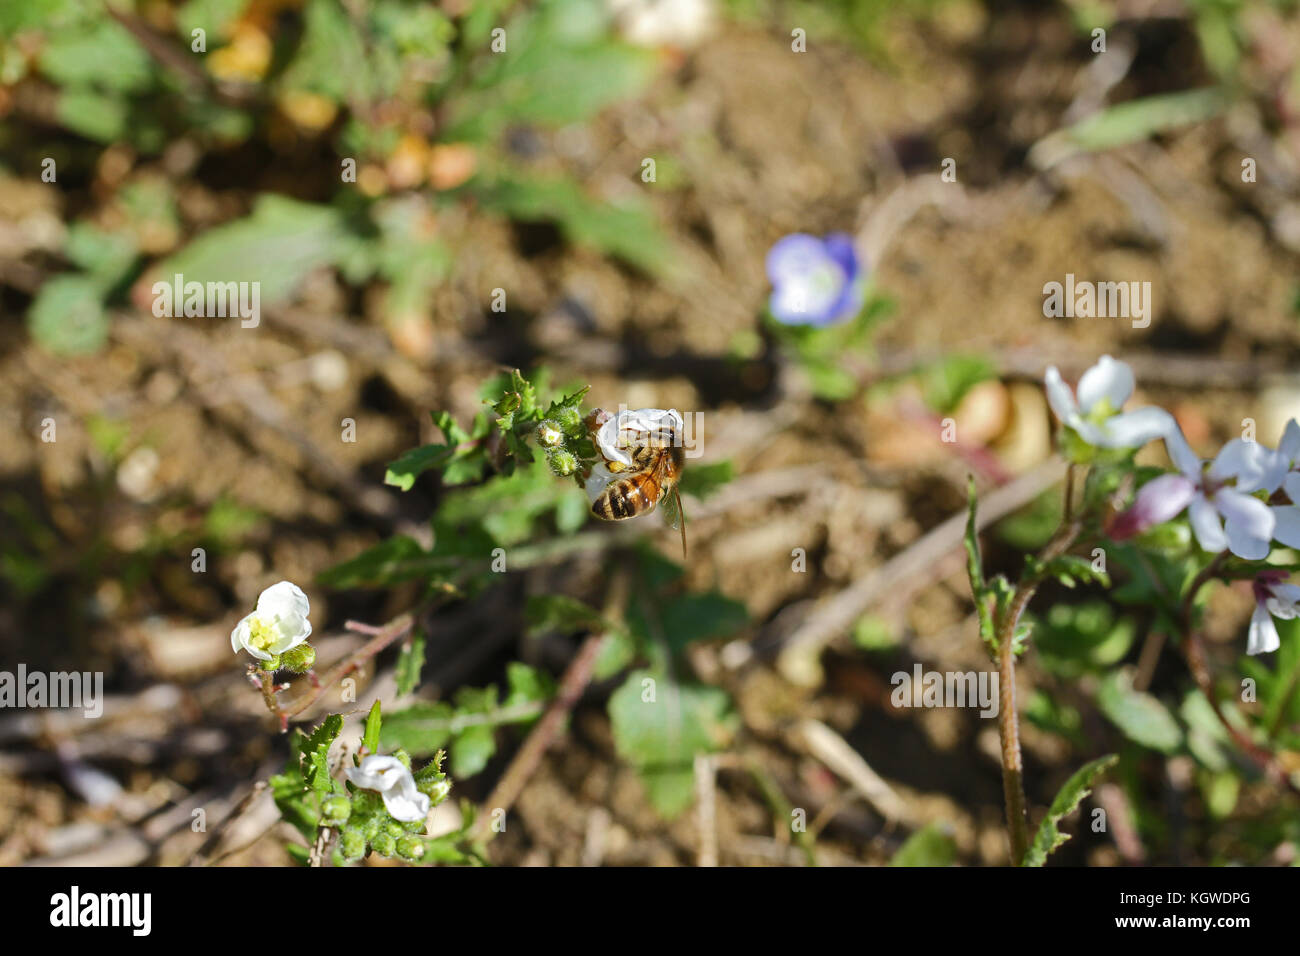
(1048, 837)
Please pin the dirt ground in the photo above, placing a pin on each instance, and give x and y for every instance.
(158, 430)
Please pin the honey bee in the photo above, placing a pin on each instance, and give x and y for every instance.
(648, 480)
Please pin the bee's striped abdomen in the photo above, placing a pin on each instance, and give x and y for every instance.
(625, 498)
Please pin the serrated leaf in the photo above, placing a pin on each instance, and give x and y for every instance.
(1049, 837)
(315, 754)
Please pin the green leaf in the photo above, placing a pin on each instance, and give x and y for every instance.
(315, 753)
(1129, 122)
(409, 665)
(659, 728)
(929, 846)
(703, 480)
(370, 739)
(557, 613)
(471, 751)
(557, 68)
(397, 559)
(975, 570)
(701, 617)
(103, 55)
(627, 231)
(1141, 717)
(945, 383)
(277, 246)
(67, 317)
(1048, 837)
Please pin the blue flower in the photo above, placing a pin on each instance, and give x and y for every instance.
(815, 281)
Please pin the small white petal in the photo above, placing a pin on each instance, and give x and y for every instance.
(1262, 637)
(1206, 525)
(284, 600)
(377, 772)
(1108, 379)
(1181, 454)
(1255, 466)
(1134, 429)
(1248, 521)
(600, 477)
(406, 806)
(1059, 396)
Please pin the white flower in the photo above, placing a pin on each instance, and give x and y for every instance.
(1222, 515)
(391, 778)
(1095, 415)
(1272, 599)
(632, 428)
(600, 476)
(279, 623)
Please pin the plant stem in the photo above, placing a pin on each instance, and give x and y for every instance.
(525, 763)
(1194, 651)
(1013, 770)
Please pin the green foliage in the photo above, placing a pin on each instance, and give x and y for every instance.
(660, 727)
(357, 80)
(1049, 837)
(820, 351)
(946, 382)
(702, 481)
(467, 724)
(1141, 717)
(1074, 639)
(975, 571)
(409, 665)
(929, 846)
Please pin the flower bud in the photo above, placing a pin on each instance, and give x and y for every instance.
(437, 790)
(404, 757)
(336, 810)
(273, 664)
(550, 434)
(299, 659)
(352, 845)
(384, 844)
(569, 418)
(410, 848)
(562, 462)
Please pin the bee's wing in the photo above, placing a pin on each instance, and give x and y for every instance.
(669, 509)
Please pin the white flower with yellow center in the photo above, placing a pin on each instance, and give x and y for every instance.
(394, 782)
(279, 624)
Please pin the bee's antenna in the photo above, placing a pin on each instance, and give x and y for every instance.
(681, 516)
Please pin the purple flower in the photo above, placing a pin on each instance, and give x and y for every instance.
(815, 281)
(1222, 515)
